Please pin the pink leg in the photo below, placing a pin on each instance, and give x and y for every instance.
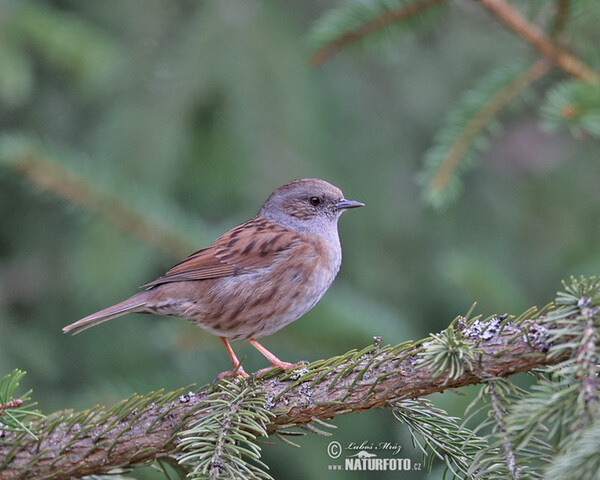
(237, 368)
(273, 360)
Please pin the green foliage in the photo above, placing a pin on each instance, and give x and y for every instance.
(580, 458)
(76, 179)
(16, 76)
(550, 430)
(576, 335)
(464, 134)
(545, 414)
(221, 441)
(582, 292)
(581, 29)
(15, 412)
(353, 14)
(499, 460)
(66, 42)
(546, 430)
(463, 137)
(448, 353)
(438, 435)
(578, 310)
(574, 105)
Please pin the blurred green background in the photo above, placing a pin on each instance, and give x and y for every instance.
(191, 113)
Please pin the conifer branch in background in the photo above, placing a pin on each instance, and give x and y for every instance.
(500, 9)
(560, 18)
(478, 121)
(22, 155)
(574, 105)
(456, 144)
(535, 36)
(384, 19)
(441, 169)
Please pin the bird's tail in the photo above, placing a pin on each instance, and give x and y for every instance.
(136, 303)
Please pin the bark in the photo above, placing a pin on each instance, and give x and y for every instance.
(373, 380)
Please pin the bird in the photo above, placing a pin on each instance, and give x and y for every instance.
(255, 279)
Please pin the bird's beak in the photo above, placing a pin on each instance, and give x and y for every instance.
(343, 204)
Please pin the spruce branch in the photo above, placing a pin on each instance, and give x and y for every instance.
(143, 428)
(580, 330)
(535, 36)
(499, 414)
(550, 426)
(439, 435)
(587, 367)
(449, 352)
(560, 18)
(456, 142)
(580, 460)
(500, 9)
(27, 159)
(15, 412)
(370, 26)
(575, 105)
(222, 438)
(504, 457)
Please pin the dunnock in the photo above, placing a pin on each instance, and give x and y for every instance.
(256, 278)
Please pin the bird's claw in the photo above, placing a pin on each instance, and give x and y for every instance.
(281, 365)
(234, 373)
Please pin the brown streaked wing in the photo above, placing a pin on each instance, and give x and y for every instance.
(251, 245)
(199, 266)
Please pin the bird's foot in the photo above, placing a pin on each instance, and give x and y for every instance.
(281, 365)
(234, 372)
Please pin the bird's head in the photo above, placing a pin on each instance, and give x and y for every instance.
(307, 204)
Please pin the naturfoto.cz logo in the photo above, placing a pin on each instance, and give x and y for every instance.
(365, 456)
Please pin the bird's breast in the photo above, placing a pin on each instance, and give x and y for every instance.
(258, 302)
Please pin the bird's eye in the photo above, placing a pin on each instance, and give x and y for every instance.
(315, 201)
